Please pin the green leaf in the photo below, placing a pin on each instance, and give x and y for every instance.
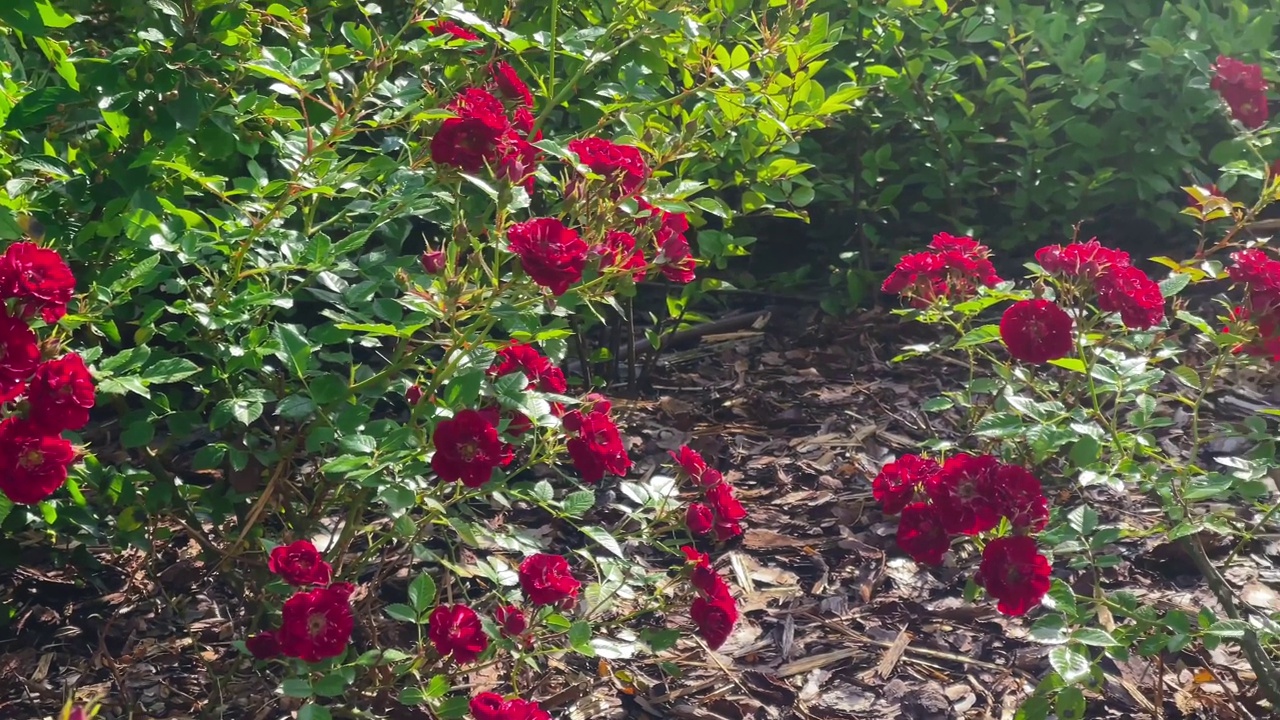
(331, 685)
(453, 708)
(1174, 284)
(296, 687)
(1072, 364)
(312, 711)
(403, 613)
(1229, 628)
(1000, 425)
(1083, 520)
(1071, 665)
(580, 638)
(422, 592)
(578, 503)
(1070, 704)
(297, 350)
(937, 404)
(1096, 637)
(168, 370)
(412, 696)
(605, 540)
(979, 336)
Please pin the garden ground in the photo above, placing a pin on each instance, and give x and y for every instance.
(799, 411)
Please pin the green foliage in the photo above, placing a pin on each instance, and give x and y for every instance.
(1013, 120)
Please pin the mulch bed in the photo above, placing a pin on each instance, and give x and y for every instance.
(799, 414)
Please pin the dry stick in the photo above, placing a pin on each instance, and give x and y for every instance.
(911, 649)
(1263, 667)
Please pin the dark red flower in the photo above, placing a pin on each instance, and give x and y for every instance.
(477, 135)
(596, 445)
(38, 278)
(517, 161)
(263, 646)
(317, 624)
(952, 267)
(60, 394)
(1014, 573)
(518, 357)
(619, 252)
(511, 621)
(552, 254)
(547, 579)
(1020, 498)
(1243, 88)
(696, 468)
(650, 215)
(1037, 331)
(898, 481)
(491, 706)
(921, 535)
(468, 449)
(622, 166)
(299, 563)
(1081, 261)
(509, 84)
(1261, 331)
(704, 577)
(1128, 291)
(714, 619)
(414, 394)
(728, 511)
(698, 518)
(964, 493)
(433, 261)
(675, 259)
(456, 630)
(449, 27)
(33, 463)
(19, 351)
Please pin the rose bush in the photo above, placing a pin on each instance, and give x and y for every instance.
(332, 261)
(1092, 386)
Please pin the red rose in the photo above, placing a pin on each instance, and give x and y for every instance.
(622, 166)
(511, 621)
(491, 706)
(263, 646)
(698, 518)
(38, 278)
(921, 535)
(691, 462)
(61, 394)
(299, 563)
(413, 395)
(33, 464)
(19, 351)
(509, 83)
(1014, 573)
(704, 577)
(618, 252)
(727, 509)
(714, 619)
(547, 579)
(952, 267)
(652, 215)
(1037, 331)
(674, 258)
(518, 357)
(1080, 261)
(552, 254)
(898, 481)
(596, 445)
(433, 261)
(1243, 88)
(1020, 498)
(1262, 330)
(456, 630)
(468, 449)
(517, 160)
(317, 624)
(476, 136)
(964, 493)
(451, 28)
(1135, 296)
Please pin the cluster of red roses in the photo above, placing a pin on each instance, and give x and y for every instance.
(469, 447)
(951, 268)
(45, 396)
(1243, 88)
(970, 495)
(316, 623)
(483, 134)
(714, 610)
(720, 510)
(1258, 317)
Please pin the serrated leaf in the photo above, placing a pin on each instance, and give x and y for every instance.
(1071, 665)
(979, 336)
(296, 347)
(1097, 637)
(1174, 284)
(578, 503)
(402, 612)
(603, 538)
(580, 638)
(168, 370)
(422, 592)
(296, 687)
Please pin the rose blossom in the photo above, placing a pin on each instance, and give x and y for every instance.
(547, 579)
(1014, 573)
(317, 623)
(299, 563)
(1037, 331)
(455, 630)
(467, 448)
(550, 253)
